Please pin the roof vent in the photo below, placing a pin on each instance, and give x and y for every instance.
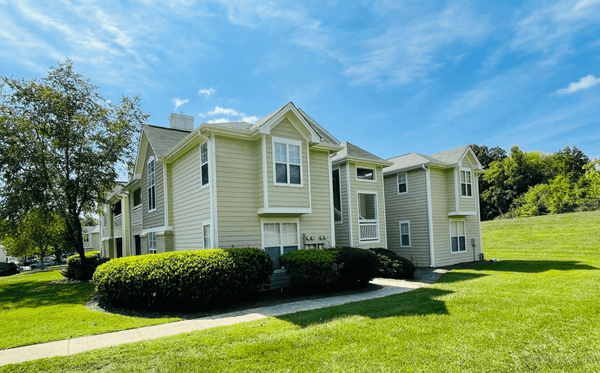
(181, 122)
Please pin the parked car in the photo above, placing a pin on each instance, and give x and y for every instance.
(7, 269)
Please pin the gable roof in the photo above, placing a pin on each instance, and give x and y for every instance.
(162, 139)
(451, 156)
(444, 159)
(354, 153)
(318, 129)
(91, 229)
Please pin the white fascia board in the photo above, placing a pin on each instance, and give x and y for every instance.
(462, 213)
(284, 210)
(273, 121)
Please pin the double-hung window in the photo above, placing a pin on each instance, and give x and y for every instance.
(337, 196)
(367, 217)
(151, 185)
(204, 163)
(280, 238)
(458, 236)
(151, 243)
(466, 189)
(288, 161)
(402, 183)
(405, 233)
(206, 235)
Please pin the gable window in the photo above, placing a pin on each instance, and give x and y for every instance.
(337, 196)
(402, 183)
(151, 185)
(206, 235)
(466, 189)
(151, 243)
(458, 236)
(86, 238)
(204, 163)
(365, 174)
(405, 233)
(367, 217)
(288, 161)
(280, 238)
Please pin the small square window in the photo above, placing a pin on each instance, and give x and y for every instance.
(365, 173)
(402, 183)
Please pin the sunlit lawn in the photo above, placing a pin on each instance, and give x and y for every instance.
(537, 309)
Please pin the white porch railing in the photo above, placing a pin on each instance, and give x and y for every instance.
(118, 221)
(369, 231)
(136, 214)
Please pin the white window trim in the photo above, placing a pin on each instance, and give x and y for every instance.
(378, 239)
(264, 221)
(398, 182)
(85, 237)
(340, 191)
(210, 245)
(460, 182)
(207, 164)
(400, 231)
(465, 227)
(282, 140)
(154, 185)
(356, 167)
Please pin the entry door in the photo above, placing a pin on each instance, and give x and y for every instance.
(138, 245)
(119, 244)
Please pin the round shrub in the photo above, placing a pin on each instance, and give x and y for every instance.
(200, 279)
(83, 271)
(392, 265)
(356, 266)
(311, 270)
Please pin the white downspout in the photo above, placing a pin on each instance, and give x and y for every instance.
(429, 214)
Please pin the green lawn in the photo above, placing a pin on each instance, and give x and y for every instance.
(537, 309)
(32, 310)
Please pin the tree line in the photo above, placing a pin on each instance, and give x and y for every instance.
(534, 183)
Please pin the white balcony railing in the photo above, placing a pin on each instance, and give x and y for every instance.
(118, 221)
(369, 231)
(136, 214)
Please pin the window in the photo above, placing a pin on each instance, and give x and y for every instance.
(405, 233)
(458, 236)
(365, 174)
(86, 238)
(280, 238)
(367, 217)
(151, 186)
(204, 163)
(151, 243)
(337, 196)
(402, 183)
(465, 183)
(288, 161)
(206, 235)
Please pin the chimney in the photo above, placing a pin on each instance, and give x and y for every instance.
(181, 122)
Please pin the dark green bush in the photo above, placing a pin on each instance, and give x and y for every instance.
(201, 279)
(77, 271)
(311, 270)
(392, 265)
(356, 266)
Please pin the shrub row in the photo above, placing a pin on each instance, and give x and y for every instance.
(392, 265)
(83, 271)
(201, 279)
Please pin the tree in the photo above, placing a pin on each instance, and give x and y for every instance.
(60, 144)
(570, 162)
(486, 157)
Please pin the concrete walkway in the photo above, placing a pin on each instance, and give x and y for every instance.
(81, 344)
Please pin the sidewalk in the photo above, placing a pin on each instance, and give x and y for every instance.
(81, 344)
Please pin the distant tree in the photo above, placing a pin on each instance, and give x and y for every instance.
(486, 157)
(60, 143)
(88, 221)
(569, 162)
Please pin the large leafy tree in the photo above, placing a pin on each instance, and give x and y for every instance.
(60, 146)
(487, 156)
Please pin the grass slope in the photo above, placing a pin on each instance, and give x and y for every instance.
(537, 309)
(33, 310)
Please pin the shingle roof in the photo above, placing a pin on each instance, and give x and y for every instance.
(452, 156)
(352, 151)
(162, 139)
(447, 158)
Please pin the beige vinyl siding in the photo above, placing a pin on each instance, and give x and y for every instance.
(239, 224)
(342, 233)
(442, 187)
(190, 202)
(450, 189)
(411, 206)
(367, 186)
(319, 221)
(154, 218)
(283, 195)
(259, 173)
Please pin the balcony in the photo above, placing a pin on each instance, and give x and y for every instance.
(136, 214)
(118, 225)
(368, 231)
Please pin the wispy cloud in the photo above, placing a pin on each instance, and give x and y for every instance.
(223, 111)
(583, 83)
(219, 120)
(252, 119)
(206, 92)
(583, 3)
(178, 102)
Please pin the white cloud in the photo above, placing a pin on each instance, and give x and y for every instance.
(219, 120)
(178, 102)
(219, 110)
(206, 92)
(252, 119)
(583, 3)
(583, 83)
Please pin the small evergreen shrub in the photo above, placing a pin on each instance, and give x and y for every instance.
(392, 265)
(356, 266)
(77, 271)
(311, 270)
(201, 279)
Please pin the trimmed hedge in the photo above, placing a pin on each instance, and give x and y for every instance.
(201, 279)
(76, 271)
(357, 266)
(311, 269)
(392, 265)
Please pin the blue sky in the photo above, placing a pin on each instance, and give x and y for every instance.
(390, 76)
